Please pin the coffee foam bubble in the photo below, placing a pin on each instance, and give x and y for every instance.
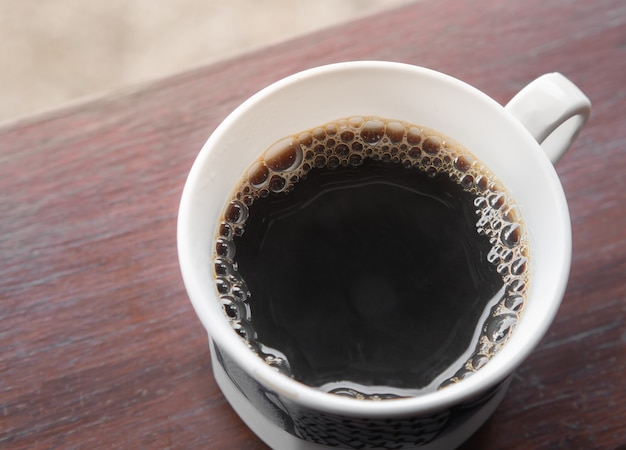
(348, 142)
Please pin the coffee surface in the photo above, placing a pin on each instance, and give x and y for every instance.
(372, 258)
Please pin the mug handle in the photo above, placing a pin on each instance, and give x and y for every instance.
(553, 110)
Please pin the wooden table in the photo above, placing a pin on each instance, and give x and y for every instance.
(99, 346)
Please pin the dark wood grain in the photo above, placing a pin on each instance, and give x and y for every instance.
(99, 346)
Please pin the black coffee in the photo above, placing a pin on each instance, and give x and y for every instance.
(379, 259)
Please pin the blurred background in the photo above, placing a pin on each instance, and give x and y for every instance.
(56, 51)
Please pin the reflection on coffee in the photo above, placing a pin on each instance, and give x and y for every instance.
(372, 258)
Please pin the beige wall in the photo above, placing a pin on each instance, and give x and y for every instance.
(55, 51)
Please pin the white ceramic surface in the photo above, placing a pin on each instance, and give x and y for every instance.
(493, 133)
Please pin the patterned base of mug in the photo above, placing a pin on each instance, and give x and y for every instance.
(285, 426)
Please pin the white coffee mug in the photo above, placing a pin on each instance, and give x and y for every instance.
(519, 143)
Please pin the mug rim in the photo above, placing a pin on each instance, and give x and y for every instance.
(216, 324)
